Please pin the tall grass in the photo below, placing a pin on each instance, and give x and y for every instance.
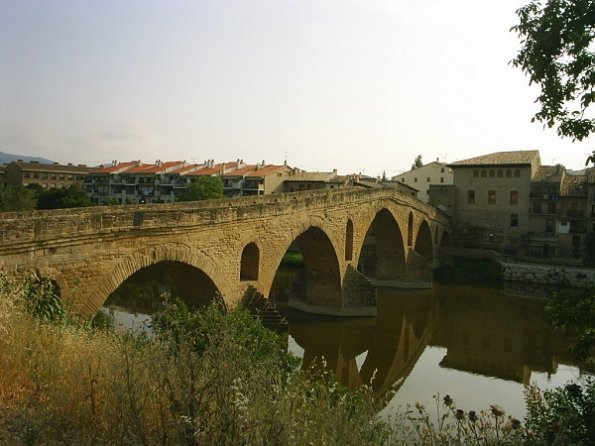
(214, 378)
(69, 384)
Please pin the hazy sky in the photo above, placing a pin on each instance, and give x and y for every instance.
(356, 85)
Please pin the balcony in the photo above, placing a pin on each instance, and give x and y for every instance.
(575, 214)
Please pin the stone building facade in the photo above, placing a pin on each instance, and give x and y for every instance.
(509, 202)
(434, 173)
(21, 173)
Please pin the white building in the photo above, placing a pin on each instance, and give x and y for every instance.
(432, 173)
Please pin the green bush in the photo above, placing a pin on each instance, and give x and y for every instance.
(463, 270)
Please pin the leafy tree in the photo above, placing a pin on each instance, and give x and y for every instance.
(557, 53)
(16, 198)
(69, 197)
(417, 162)
(36, 188)
(574, 309)
(204, 188)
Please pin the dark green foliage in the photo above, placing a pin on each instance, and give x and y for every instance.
(209, 326)
(69, 197)
(293, 259)
(557, 54)
(574, 309)
(417, 162)
(562, 416)
(471, 236)
(204, 188)
(42, 300)
(463, 270)
(590, 247)
(16, 198)
(103, 321)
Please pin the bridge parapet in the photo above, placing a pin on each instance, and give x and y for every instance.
(26, 228)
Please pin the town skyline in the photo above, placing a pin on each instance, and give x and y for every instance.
(361, 87)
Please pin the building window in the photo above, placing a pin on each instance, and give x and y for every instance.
(508, 173)
(537, 207)
(470, 197)
(500, 173)
(403, 180)
(550, 226)
(551, 207)
(483, 173)
(492, 197)
(442, 170)
(442, 179)
(514, 197)
(514, 220)
(428, 180)
(415, 180)
(492, 173)
(475, 173)
(517, 173)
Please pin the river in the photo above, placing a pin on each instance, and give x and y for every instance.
(479, 345)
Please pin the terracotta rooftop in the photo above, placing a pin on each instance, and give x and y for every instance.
(517, 157)
(265, 170)
(242, 171)
(574, 186)
(116, 168)
(549, 174)
(52, 167)
(138, 169)
(164, 167)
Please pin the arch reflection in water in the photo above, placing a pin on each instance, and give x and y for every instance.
(474, 343)
(146, 290)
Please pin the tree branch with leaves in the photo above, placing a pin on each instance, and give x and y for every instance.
(558, 54)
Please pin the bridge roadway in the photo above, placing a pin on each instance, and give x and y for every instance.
(234, 243)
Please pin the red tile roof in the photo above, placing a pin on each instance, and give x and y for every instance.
(164, 167)
(117, 168)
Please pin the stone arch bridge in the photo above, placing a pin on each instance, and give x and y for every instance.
(236, 243)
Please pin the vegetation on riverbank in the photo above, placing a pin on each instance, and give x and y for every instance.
(464, 270)
(215, 377)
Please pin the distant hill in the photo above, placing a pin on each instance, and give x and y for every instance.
(9, 157)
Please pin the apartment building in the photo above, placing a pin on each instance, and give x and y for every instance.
(166, 182)
(23, 173)
(421, 178)
(492, 198)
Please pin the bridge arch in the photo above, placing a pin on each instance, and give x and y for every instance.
(319, 283)
(250, 262)
(423, 242)
(382, 254)
(170, 252)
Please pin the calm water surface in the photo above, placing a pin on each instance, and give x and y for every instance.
(479, 345)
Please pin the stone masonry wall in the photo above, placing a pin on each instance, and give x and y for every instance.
(548, 274)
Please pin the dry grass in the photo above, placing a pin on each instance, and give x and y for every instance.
(67, 384)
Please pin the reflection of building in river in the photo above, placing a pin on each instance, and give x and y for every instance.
(484, 332)
(492, 334)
